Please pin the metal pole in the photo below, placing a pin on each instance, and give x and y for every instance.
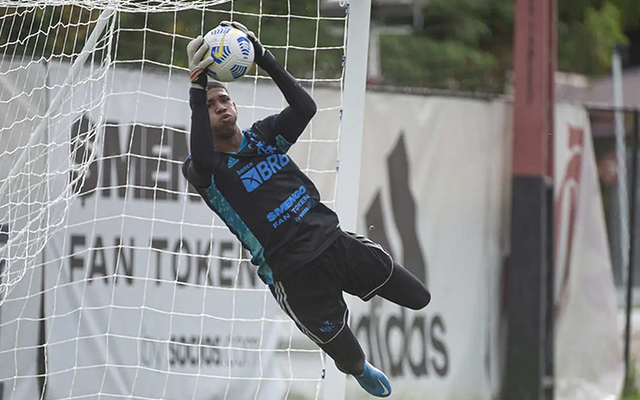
(528, 264)
(548, 381)
(632, 242)
(621, 158)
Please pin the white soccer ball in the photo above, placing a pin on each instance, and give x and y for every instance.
(232, 53)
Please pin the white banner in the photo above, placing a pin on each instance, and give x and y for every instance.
(588, 347)
(434, 191)
(137, 306)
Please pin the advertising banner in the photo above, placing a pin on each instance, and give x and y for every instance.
(148, 295)
(434, 192)
(588, 347)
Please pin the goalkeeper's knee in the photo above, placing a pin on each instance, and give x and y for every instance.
(351, 366)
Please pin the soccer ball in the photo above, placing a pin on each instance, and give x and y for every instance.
(232, 53)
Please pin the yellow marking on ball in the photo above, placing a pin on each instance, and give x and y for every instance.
(218, 53)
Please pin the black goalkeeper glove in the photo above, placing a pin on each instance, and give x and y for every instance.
(258, 48)
(196, 51)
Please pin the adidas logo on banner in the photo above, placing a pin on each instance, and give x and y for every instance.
(403, 208)
(425, 330)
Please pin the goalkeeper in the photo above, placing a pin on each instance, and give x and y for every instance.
(249, 181)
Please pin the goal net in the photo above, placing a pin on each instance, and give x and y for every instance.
(116, 280)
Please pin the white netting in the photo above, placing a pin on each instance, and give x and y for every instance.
(116, 281)
(119, 5)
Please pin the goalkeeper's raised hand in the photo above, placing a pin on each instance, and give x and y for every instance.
(258, 48)
(196, 51)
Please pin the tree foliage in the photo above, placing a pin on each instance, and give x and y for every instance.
(463, 45)
(468, 44)
(310, 47)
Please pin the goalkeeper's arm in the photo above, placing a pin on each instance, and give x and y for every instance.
(201, 141)
(291, 121)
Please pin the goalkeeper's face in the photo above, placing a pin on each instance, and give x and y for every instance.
(223, 113)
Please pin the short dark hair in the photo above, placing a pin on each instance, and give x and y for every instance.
(215, 85)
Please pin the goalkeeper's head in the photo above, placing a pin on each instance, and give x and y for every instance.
(223, 113)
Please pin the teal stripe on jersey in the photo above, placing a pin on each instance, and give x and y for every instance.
(282, 144)
(237, 226)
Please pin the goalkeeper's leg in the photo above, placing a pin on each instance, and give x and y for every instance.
(404, 289)
(371, 271)
(312, 297)
(345, 350)
(322, 317)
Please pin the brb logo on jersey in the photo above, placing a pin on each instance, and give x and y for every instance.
(256, 176)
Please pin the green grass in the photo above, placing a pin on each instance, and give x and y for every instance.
(630, 391)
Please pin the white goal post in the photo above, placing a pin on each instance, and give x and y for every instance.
(116, 281)
(355, 83)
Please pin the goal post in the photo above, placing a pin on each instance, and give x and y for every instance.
(355, 82)
(115, 279)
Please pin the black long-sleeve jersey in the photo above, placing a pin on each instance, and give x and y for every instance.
(267, 202)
